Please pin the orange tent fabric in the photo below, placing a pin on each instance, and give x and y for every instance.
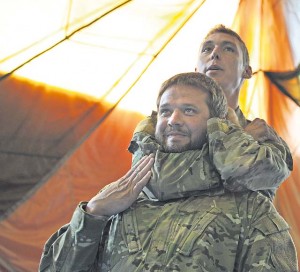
(55, 177)
(275, 86)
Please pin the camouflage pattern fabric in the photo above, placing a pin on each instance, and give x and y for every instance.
(237, 155)
(231, 232)
(232, 159)
(189, 223)
(282, 144)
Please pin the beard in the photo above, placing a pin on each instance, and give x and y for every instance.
(179, 147)
(176, 148)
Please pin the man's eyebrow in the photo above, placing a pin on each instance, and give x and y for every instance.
(209, 42)
(189, 105)
(167, 105)
(230, 43)
(164, 105)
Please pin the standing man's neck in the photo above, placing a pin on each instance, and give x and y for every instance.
(232, 99)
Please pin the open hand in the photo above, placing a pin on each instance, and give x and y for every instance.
(119, 195)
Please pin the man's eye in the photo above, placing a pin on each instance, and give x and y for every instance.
(164, 112)
(229, 49)
(189, 111)
(206, 49)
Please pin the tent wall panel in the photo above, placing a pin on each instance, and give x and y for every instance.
(102, 158)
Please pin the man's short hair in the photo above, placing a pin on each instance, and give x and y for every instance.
(216, 101)
(223, 29)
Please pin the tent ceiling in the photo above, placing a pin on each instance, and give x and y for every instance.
(105, 58)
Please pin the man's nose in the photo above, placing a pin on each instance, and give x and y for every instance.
(215, 54)
(175, 119)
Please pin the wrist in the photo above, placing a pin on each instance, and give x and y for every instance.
(87, 209)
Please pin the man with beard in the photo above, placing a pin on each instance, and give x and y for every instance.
(171, 211)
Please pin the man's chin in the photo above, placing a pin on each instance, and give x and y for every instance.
(216, 75)
(176, 148)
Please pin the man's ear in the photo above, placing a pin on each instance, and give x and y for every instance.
(247, 72)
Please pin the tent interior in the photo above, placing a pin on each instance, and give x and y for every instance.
(77, 76)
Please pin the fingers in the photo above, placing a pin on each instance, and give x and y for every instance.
(136, 173)
(138, 187)
(120, 195)
(130, 174)
(143, 162)
(137, 165)
(267, 133)
(261, 131)
(138, 176)
(142, 170)
(259, 123)
(142, 175)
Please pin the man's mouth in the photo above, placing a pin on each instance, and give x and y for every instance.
(175, 133)
(213, 68)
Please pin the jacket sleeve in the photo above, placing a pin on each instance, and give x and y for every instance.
(143, 141)
(75, 246)
(242, 162)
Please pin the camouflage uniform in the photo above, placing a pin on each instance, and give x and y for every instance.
(283, 147)
(231, 159)
(187, 219)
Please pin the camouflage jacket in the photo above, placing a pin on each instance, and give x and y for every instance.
(179, 230)
(239, 232)
(231, 159)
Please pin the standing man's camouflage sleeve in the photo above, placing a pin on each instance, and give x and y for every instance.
(75, 246)
(264, 164)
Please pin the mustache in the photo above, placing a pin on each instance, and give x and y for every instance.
(175, 130)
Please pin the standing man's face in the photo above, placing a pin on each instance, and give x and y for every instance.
(221, 58)
(182, 118)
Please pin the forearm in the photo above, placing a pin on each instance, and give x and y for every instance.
(75, 246)
(242, 162)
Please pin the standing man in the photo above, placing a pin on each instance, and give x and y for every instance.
(182, 227)
(224, 57)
